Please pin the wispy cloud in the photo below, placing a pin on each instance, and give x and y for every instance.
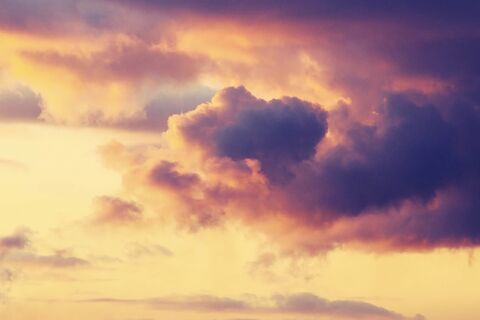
(296, 304)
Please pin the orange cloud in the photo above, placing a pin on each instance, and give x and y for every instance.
(112, 210)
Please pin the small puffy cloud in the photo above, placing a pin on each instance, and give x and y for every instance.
(16, 241)
(113, 210)
(20, 104)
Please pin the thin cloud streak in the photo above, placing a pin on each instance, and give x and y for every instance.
(297, 304)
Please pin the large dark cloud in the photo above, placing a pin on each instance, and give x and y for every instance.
(277, 133)
(408, 154)
(417, 169)
(282, 133)
(406, 178)
(450, 56)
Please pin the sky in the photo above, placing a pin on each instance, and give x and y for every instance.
(239, 160)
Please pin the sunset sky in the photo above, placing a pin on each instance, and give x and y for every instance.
(239, 160)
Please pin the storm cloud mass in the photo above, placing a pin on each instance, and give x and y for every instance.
(407, 178)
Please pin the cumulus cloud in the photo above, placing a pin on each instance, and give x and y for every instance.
(277, 133)
(407, 154)
(405, 180)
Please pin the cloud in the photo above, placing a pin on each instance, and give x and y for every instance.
(57, 18)
(295, 304)
(13, 243)
(263, 261)
(170, 101)
(405, 179)
(165, 174)
(132, 62)
(16, 241)
(123, 83)
(32, 15)
(408, 154)
(138, 250)
(57, 260)
(308, 303)
(277, 133)
(15, 250)
(20, 104)
(7, 275)
(358, 50)
(13, 164)
(311, 9)
(113, 210)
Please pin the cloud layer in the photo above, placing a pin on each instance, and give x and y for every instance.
(296, 304)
